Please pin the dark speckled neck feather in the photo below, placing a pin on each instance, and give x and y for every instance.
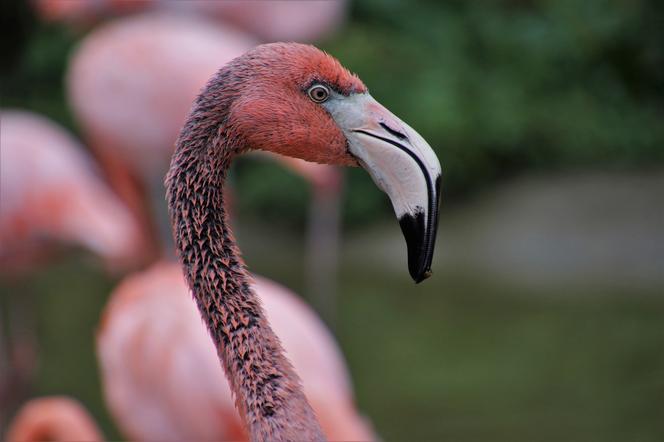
(267, 391)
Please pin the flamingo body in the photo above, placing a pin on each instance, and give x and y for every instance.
(162, 379)
(132, 81)
(51, 191)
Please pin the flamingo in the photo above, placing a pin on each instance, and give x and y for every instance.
(131, 83)
(295, 100)
(51, 192)
(55, 418)
(162, 381)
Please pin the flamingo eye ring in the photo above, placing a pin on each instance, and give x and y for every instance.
(318, 93)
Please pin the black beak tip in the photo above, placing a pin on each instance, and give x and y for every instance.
(413, 228)
(421, 276)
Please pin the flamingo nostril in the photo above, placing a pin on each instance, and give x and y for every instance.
(394, 132)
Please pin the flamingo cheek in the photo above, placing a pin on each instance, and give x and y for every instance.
(292, 127)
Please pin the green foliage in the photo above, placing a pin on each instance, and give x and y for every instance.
(35, 79)
(500, 87)
(269, 192)
(497, 88)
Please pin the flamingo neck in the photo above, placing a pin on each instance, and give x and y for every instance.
(268, 393)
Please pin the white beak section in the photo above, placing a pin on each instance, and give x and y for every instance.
(401, 164)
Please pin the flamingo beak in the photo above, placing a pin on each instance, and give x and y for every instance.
(403, 165)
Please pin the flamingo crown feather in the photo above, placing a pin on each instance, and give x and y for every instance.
(298, 101)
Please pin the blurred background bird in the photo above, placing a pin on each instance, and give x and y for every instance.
(53, 198)
(55, 418)
(53, 194)
(162, 382)
(546, 117)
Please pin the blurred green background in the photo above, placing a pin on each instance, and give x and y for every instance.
(503, 90)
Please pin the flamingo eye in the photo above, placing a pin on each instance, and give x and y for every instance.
(318, 93)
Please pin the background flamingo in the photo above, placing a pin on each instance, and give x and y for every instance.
(131, 83)
(162, 381)
(51, 195)
(56, 418)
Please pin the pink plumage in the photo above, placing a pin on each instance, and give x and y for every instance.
(55, 418)
(51, 192)
(162, 379)
(131, 83)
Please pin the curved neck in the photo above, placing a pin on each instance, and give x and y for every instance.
(268, 393)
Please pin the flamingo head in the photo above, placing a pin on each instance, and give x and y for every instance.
(298, 101)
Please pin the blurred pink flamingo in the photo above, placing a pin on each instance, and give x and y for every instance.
(55, 418)
(130, 84)
(50, 195)
(162, 379)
